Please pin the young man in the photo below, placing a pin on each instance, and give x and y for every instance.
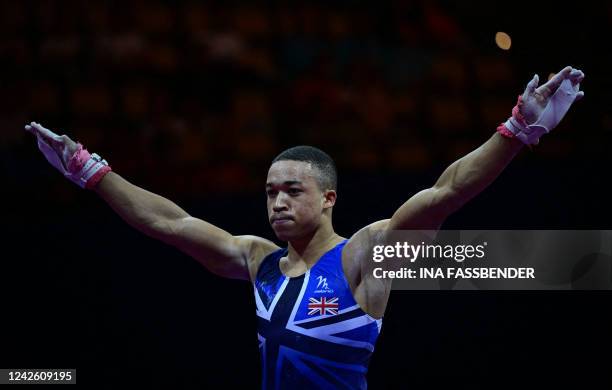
(319, 313)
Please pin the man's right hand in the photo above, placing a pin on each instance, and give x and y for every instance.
(69, 157)
(56, 148)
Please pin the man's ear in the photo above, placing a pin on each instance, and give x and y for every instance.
(329, 198)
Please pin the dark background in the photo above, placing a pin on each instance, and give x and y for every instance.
(192, 100)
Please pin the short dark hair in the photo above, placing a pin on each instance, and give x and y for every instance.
(327, 179)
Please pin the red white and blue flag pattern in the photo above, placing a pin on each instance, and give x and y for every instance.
(322, 306)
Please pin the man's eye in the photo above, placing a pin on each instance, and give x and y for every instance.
(294, 191)
(270, 193)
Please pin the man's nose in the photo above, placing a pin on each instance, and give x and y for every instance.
(280, 203)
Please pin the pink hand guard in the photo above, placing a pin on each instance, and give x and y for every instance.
(554, 111)
(84, 169)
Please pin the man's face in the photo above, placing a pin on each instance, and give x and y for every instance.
(295, 201)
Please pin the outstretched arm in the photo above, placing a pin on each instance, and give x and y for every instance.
(459, 183)
(539, 110)
(226, 255)
(235, 257)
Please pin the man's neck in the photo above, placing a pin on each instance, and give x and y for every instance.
(310, 249)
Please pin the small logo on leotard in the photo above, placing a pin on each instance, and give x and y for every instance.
(322, 286)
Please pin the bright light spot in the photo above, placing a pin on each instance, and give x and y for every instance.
(503, 40)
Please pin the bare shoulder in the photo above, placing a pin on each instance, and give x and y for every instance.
(362, 240)
(256, 249)
(371, 294)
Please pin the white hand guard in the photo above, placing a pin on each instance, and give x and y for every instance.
(81, 168)
(555, 110)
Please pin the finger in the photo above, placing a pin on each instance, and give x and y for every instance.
(40, 136)
(579, 96)
(576, 77)
(551, 86)
(575, 73)
(532, 85)
(49, 136)
(30, 127)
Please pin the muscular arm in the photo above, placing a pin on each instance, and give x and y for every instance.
(141, 209)
(426, 210)
(459, 183)
(223, 254)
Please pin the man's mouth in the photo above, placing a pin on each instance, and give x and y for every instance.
(281, 220)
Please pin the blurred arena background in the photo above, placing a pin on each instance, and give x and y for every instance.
(192, 100)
